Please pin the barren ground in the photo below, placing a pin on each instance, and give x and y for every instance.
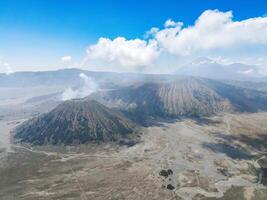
(215, 158)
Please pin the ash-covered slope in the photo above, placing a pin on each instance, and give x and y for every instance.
(75, 122)
(184, 97)
(241, 99)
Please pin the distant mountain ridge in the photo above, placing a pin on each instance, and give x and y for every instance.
(65, 77)
(208, 68)
(71, 77)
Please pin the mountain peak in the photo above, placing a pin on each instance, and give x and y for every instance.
(208, 68)
(74, 122)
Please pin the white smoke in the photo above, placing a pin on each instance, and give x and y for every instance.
(88, 87)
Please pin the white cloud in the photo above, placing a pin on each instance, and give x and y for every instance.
(5, 67)
(262, 63)
(214, 34)
(171, 23)
(129, 54)
(223, 60)
(212, 30)
(151, 32)
(66, 59)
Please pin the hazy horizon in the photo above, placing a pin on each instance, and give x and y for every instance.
(133, 100)
(101, 36)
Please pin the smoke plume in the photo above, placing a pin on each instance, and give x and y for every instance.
(87, 87)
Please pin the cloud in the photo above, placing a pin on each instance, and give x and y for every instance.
(222, 60)
(87, 87)
(129, 54)
(261, 62)
(171, 23)
(151, 32)
(212, 30)
(5, 67)
(214, 34)
(66, 59)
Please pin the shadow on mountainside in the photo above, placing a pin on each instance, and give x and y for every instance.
(238, 146)
(228, 149)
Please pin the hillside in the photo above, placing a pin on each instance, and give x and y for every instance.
(75, 122)
(185, 97)
(85, 120)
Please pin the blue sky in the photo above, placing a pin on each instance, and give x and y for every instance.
(36, 34)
